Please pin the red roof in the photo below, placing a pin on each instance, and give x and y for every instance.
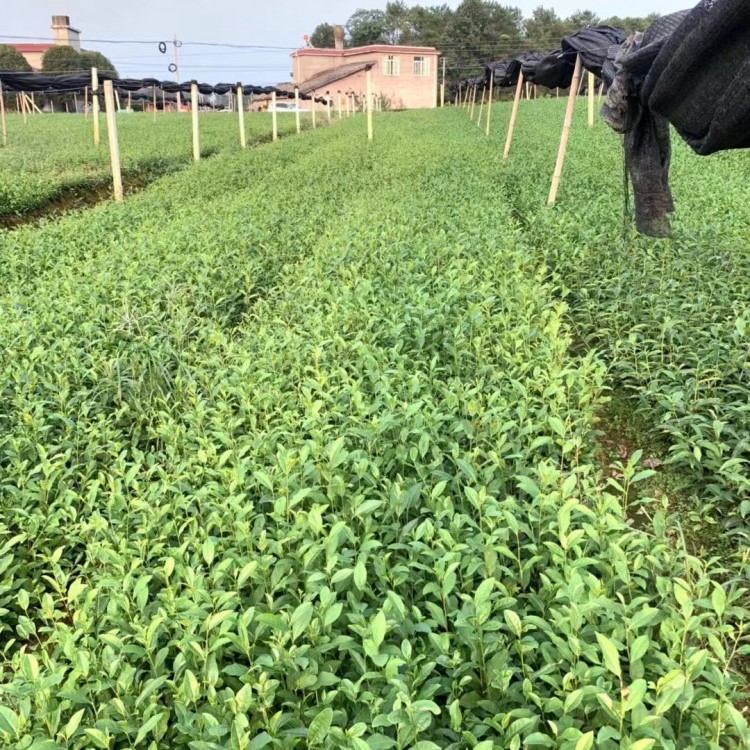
(368, 50)
(32, 47)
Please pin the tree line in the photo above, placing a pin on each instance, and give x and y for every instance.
(472, 34)
(57, 59)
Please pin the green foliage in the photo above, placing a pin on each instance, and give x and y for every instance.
(93, 59)
(53, 156)
(294, 462)
(367, 27)
(12, 59)
(62, 59)
(323, 37)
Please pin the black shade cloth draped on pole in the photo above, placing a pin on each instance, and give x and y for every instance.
(691, 69)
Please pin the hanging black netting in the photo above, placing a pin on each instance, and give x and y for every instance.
(592, 45)
(691, 69)
(553, 71)
(497, 71)
(701, 79)
(529, 64)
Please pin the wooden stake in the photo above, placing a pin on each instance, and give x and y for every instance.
(328, 107)
(23, 109)
(86, 102)
(489, 105)
(565, 133)
(473, 102)
(75, 102)
(95, 103)
(114, 145)
(154, 101)
(481, 108)
(241, 115)
(194, 110)
(274, 120)
(130, 102)
(592, 95)
(513, 116)
(369, 104)
(3, 122)
(296, 110)
(163, 102)
(117, 98)
(338, 103)
(601, 92)
(313, 110)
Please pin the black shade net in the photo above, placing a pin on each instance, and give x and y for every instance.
(14, 81)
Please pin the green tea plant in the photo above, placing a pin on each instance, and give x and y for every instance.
(294, 454)
(670, 317)
(54, 154)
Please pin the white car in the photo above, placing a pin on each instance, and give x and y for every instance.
(286, 107)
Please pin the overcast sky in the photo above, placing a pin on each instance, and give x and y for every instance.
(272, 23)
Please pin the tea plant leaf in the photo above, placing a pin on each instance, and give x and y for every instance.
(301, 618)
(320, 726)
(610, 654)
(585, 741)
(148, 726)
(8, 721)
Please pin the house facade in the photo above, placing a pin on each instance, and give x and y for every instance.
(63, 34)
(405, 77)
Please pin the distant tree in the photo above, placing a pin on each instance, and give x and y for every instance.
(62, 59)
(544, 30)
(580, 20)
(12, 59)
(479, 31)
(398, 28)
(428, 24)
(367, 27)
(323, 37)
(632, 23)
(93, 59)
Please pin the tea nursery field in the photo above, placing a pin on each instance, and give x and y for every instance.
(298, 447)
(52, 154)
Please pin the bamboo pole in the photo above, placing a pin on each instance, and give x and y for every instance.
(592, 95)
(513, 116)
(154, 98)
(481, 108)
(114, 144)
(328, 107)
(274, 118)
(86, 102)
(369, 104)
(32, 105)
(338, 103)
(23, 109)
(473, 102)
(117, 99)
(241, 115)
(194, 110)
(489, 105)
(296, 110)
(75, 102)
(95, 104)
(601, 92)
(565, 133)
(3, 122)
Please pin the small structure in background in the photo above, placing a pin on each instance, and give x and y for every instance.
(404, 77)
(63, 34)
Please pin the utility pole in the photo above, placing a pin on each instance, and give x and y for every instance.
(177, 45)
(442, 87)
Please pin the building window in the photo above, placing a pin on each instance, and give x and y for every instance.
(421, 66)
(392, 65)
